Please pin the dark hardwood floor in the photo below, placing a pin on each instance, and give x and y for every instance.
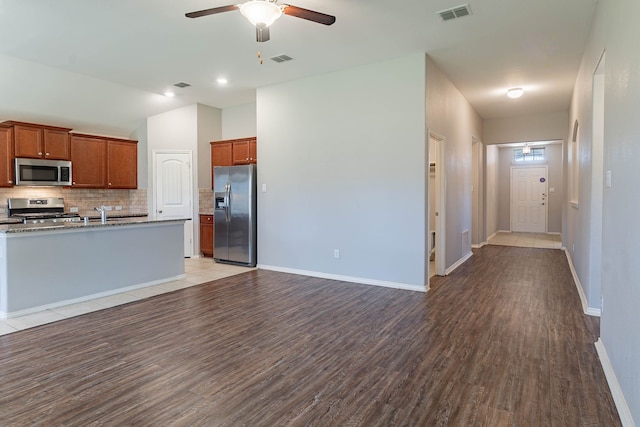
(500, 342)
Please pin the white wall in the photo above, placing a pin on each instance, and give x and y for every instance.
(451, 116)
(535, 127)
(615, 28)
(239, 122)
(344, 161)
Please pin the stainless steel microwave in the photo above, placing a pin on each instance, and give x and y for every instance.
(36, 172)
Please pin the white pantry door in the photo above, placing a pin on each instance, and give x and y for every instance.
(173, 191)
(529, 199)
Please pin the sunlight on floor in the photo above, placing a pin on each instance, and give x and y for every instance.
(527, 240)
(197, 270)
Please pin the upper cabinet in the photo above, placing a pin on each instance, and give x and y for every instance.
(6, 156)
(40, 141)
(244, 151)
(122, 164)
(101, 162)
(88, 161)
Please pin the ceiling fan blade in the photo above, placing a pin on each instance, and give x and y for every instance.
(262, 34)
(309, 15)
(211, 11)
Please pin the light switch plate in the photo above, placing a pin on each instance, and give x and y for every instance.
(608, 179)
(264, 188)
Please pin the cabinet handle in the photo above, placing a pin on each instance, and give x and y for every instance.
(46, 154)
(39, 153)
(10, 182)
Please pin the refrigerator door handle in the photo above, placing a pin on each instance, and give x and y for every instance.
(227, 197)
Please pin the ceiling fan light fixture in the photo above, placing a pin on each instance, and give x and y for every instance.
(515, 92)
(526, 149)
(261, 13)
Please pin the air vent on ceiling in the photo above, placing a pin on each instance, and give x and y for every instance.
(455, 12)
(181, 84)
(281, 58)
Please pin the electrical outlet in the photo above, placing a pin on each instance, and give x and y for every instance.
(118, 208)
(107, 208)
(336, 253)
(73, 209)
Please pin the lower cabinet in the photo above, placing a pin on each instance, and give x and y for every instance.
(206, 235)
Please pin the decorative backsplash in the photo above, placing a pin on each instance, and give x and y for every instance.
(206, 200)
(132, 201)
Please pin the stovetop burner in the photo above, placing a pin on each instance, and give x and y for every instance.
(42, 210)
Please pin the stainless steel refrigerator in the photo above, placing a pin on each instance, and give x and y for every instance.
(234, 216)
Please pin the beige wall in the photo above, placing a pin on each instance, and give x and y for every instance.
(535, 127)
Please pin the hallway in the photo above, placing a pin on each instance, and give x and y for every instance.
(527, 240)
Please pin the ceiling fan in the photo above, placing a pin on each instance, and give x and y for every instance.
(263, 13)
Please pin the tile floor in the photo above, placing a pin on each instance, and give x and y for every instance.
(197, 270)
(528, 240)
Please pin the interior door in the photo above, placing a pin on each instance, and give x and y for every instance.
(173, 191)
(529, 199)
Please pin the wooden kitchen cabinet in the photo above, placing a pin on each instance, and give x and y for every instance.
(221, 155)
(101, 162)
(40, 141)
(88, 161)
(6, 156)
(206, 235)
(122, 164)
(244, 151)
(233, 152)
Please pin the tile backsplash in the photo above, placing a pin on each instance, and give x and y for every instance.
(206, 200)
(132, 201)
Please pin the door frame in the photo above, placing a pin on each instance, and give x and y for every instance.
(189, 226)
(440, 202)
(546, 204)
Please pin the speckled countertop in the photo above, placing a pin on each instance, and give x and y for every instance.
(112, 221)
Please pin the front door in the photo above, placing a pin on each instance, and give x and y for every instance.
(529, 199)
(173, 191)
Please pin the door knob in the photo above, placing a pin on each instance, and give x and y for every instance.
(160, 211)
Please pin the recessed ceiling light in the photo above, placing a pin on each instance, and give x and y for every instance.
(222, 81)
(515, 92)
(169, 94)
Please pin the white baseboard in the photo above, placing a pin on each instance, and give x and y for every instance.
(618, 397)
(492, 236)
(590, 311)
(350, 279)
(458, 263)
(31, 310)
(478, 245)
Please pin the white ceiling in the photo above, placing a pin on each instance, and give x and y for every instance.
(147, 45)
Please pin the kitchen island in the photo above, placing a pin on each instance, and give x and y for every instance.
(45, 266)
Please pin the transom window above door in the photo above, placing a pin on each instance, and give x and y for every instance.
(535, 154)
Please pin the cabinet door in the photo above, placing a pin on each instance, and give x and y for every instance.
(56, 144)
(6, 157)
(253, 151)
(28, 141)
(221, 155)
(88, 162)
(122, 164)
(206, 235)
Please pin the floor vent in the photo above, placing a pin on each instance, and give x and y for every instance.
(455, 12)
(181, 84)
(281, 58)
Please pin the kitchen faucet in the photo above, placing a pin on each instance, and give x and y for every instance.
(103, 214)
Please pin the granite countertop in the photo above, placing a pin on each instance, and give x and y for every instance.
(112, 221)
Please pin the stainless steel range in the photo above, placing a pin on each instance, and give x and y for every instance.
(41, 210)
